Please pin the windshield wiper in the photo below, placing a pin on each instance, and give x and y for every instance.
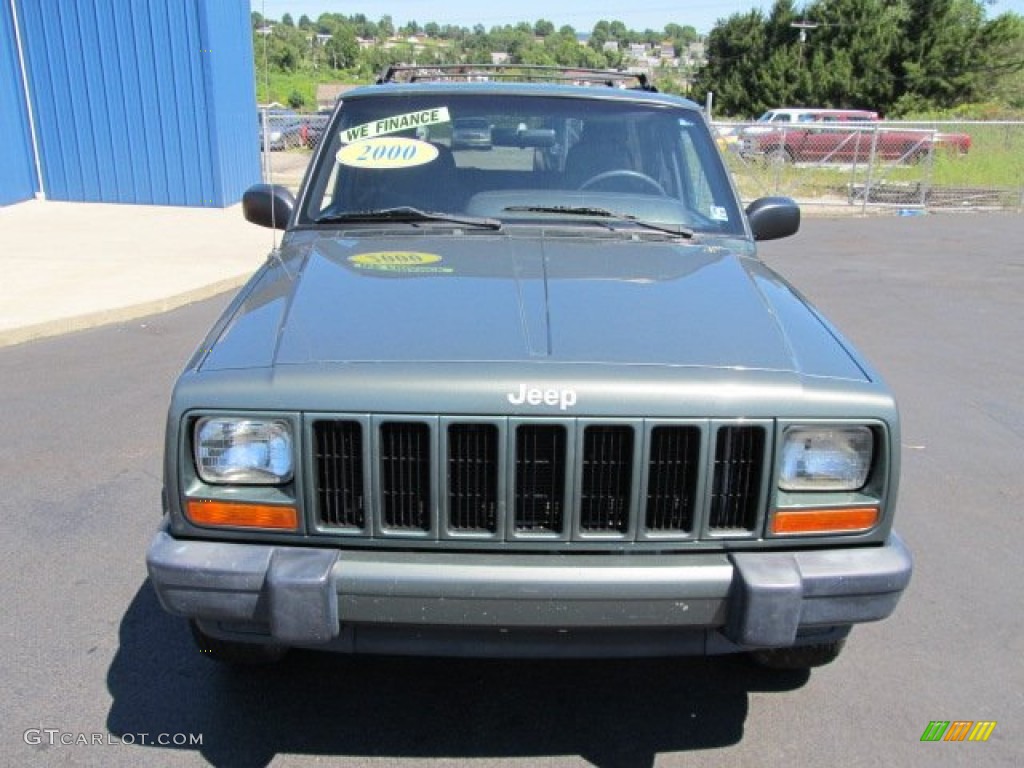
(407, 214)
(603, 213)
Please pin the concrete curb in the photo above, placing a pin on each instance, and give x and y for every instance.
(60, 326)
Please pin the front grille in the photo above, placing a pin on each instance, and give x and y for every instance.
(538, 480)
(405, 475)
(473, 477)
(739, 455)
(672, 479)
(338, 454)
(607, 479)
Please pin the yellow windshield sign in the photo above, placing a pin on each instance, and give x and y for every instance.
(387, 152)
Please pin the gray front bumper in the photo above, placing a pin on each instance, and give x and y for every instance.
(306, 596)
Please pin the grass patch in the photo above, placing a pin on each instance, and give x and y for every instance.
(995, 162)
(283, 85)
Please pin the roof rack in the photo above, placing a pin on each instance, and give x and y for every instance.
(518, 72)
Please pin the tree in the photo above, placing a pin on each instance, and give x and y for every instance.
(377, 59)
(342, 49)
(736, 51)
(565, 50)
(893, 56)
(951, 52)
(680, 36)
(1006, 69)
(941, 37)
(875, 54)
(286, 48)
(543, 28)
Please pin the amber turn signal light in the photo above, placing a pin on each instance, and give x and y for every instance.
(845, 520)
(241, 515)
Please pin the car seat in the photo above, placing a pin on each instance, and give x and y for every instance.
(601, 148)
(430, 186)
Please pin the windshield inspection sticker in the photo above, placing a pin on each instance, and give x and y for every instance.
(387, 153)
(395, 124)
(400, 261)
(718, 213)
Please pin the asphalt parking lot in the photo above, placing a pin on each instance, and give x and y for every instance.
(933, 301)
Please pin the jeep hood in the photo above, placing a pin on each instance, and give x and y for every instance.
(478, 297)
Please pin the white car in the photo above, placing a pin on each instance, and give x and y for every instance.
(774, 119)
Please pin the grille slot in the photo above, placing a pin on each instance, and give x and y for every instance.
(540, 478)
(473, 477)
(338, 446)
(607, 479)
(736, 487)
(672, 472)
(405, 476)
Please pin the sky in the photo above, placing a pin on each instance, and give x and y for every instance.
(580, 14)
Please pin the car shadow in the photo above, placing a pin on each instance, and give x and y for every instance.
(612, 713)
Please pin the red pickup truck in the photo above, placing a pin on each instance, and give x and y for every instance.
(832, 139)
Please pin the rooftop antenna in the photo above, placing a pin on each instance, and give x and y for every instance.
(268, 171)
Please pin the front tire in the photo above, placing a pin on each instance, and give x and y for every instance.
(234, 652)
(801, 657)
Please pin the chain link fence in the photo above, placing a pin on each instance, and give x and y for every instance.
(910, 166)
(287, 140)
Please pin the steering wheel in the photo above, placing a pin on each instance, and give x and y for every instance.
(625, 174)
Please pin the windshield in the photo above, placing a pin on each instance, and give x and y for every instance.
(521, 159)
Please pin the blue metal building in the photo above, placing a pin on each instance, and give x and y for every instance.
(129, 101)
(17, 177)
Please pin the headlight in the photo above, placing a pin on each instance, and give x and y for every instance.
(243, 451)
(826, 459)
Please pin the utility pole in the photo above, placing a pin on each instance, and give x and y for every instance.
(803, 25)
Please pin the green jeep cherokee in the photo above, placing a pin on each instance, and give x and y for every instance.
(542, 400)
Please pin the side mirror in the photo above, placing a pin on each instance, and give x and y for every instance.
(773, 217)
(268, 205)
